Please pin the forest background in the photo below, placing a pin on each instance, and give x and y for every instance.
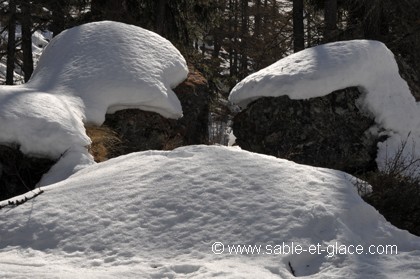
(225, 39)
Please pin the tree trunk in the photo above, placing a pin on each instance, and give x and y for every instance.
(308, 29)
(11, 43)
(217, 42)
(244, 38)
(160, 17)
(234, 69)
(28, 63)
(96, 9)
(257, 29)
(298, 27)
(330, 15)
(58, 17)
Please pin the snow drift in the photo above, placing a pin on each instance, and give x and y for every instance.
(156, 214)
(320, 70)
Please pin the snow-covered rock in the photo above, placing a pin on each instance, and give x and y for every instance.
(142, 130)
(328, 131)
(158, 214)
(320, 70)
(84, 73)
(43, 124)
(111, 66)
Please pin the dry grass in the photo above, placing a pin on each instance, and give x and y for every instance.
(104, 142)
(173, 142)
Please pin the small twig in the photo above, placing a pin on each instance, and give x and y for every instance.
(22, 201)
(291, 269)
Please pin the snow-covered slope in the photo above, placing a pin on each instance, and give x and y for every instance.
(320, 70)
(157, 214)
(82, 74)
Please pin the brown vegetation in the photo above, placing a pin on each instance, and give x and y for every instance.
(104, 141)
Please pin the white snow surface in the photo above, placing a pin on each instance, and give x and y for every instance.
(82, 74)
(112, 66)
(320, 70)
(156, 214)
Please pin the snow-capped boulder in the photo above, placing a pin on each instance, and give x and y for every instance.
(112, 66)
(84, 73)
(316, 72)
(328, 131)
(142, 130)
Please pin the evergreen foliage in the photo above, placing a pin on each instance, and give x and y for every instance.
(233, 37)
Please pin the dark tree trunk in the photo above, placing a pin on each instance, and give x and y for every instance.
(28, 63)
(330, 15)
(298, 27)
(264, 18)
(244, 38)
(257, 30)
(96, 9)
(309, 29)
(218, 32)
(234, 69)
(217, 42)
(160, 17)
(58, 17)
(11, 43)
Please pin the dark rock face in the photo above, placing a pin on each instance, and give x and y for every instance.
(141, 130)
(410, 76)
(327, 131)
(20, 173)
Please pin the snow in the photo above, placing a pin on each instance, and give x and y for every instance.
(156, 214)
(159, 214)
(320, 70)
(84, 73)
(39, 42)
(40, 122)
(112, 66)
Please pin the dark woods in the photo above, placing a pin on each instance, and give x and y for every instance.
(236, 36)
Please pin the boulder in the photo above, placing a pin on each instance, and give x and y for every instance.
(141, 130)
(410, 75)
(329, 131)
(20, 173)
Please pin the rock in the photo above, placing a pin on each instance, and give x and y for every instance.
(410, 75)
(329, 131)
(142, 130)
(20, 173)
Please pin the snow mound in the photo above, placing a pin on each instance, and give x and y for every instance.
(84, 73)
(112, 66)
(41, 123)
(157, 214)
(320, 70)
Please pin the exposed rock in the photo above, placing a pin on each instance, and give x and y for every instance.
(20, 173)
(141, 130)
(410, 75)
(329, 131)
